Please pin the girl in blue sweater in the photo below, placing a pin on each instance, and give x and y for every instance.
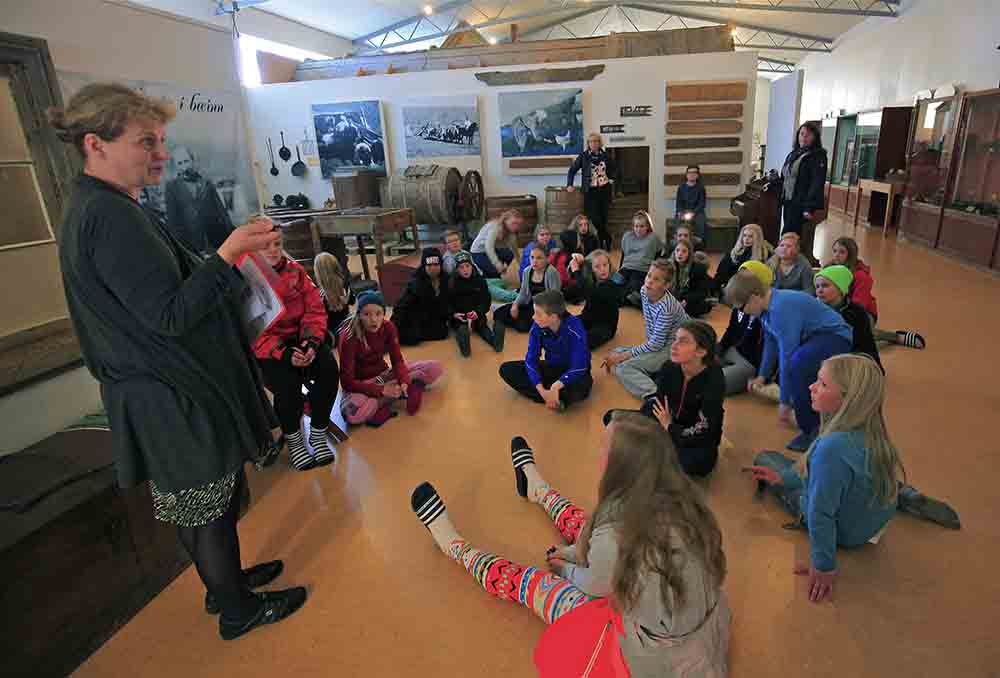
(800, 332)
(845, 489)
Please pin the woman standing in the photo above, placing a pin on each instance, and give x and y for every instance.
(803, 176)
(160, 328)
(597, 168)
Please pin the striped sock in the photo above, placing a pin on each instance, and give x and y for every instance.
(297, 452)
(910, 339)
(320, 444)
(429, 507)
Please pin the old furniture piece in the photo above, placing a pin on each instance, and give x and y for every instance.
(891, 190)
(971, 218)
(932, 145)
(758, 204)
(79, 556)
(357, 187)
(561, 207)
(368, 222)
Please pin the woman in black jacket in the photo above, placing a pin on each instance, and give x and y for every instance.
(421, 314)
(597, 168)
(469, 302)
(803, 178)
(691, 284)
(161, 328)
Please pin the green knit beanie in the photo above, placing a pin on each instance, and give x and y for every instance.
(840, 276)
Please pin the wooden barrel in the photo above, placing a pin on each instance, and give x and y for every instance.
(430, 190)
(356, 189)
(561, 207)
(527, 205)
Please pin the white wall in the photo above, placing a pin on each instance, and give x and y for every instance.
(882, 62)
(625, 81)
(786, 100)
(761, 113)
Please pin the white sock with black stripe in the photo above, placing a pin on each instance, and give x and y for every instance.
(321, 446)
(430, 509)
(298, 454)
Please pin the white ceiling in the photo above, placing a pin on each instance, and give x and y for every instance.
(355, 18)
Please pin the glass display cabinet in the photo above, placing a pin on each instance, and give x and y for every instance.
(929, 158)
(971, 215)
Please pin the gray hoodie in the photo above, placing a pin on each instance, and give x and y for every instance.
(800, 278)
(552, 282)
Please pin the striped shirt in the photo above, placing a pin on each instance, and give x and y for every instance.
(662, 320)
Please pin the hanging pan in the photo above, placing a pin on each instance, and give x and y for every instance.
(299, 168)
(284, 152)
(270, 151)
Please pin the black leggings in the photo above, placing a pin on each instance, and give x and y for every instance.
(522, 323)
(322, 378)
(215, 550)
(599, 335)
(515, 373)
(596, 202)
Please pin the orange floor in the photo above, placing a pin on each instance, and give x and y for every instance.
(384, 602)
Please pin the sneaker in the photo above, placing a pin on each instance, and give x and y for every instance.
(259, 575)
(274, 607)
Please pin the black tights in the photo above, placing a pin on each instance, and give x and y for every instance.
(215, 550)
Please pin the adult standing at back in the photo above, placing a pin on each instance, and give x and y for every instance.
(803, 178)
(597, 168)
(160, 328)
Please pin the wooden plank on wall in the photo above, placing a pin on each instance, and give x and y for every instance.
(702, 142)
(533, 163)
(706, 112)
(707, 91)
(721, 158)
(540, 76)
(705, 127)
(716, 179)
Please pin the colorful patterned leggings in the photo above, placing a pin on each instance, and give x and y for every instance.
(549, 595)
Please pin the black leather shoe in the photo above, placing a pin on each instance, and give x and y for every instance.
(275, 606)
(259, 575)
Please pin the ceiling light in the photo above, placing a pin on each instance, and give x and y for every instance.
(428, 10)
(733, 33)
(493, 41)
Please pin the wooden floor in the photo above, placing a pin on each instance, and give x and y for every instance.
(384, 602)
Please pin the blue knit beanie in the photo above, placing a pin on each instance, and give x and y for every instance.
(370, 297)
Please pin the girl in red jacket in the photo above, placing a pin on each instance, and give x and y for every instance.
(845, 253)
(370, 385)
(291, 353)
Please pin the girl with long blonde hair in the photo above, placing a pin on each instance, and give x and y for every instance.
(495, 246)
(750, 246)
(335, 290)
(850, 482)
(651, 553)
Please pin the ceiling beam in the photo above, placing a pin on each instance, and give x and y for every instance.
(440, 9)
(778, 6)
(651, 6)
(558, 22)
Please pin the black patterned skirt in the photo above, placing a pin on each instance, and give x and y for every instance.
(196, 506)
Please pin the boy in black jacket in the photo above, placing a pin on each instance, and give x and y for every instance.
(469, 302)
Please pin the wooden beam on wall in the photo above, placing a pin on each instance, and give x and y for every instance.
(540, 76)
(680, 143)
(701, 127)
(706, 111)
(708, 91)
(721, 158)
(710, 179)
(533, 163)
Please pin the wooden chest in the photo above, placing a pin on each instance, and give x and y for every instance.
(364, 221)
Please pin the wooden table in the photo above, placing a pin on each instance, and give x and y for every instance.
(362, 222)
(887, 187)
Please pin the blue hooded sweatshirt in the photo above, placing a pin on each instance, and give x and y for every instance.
(566, 348)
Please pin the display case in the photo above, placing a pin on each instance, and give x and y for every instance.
(971, 216)
(929, 159)
(828, 137)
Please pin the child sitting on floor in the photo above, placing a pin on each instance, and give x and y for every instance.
(370, 385)
(742, 344)
(845, 253)
(635, 365)
(452, 246)
(587, 234)
(792, 271)
(563, 376)
(691, 284)
(469, 298)
(642, 577)
(544, 240)
(603, 299)
(334, 287)
(537, 278)
(569, 261)
(640, 247)
(832, 286)
(750, 246)
(421, 314)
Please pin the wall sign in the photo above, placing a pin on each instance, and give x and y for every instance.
(621, 139)
(636, 111)
(612, 129)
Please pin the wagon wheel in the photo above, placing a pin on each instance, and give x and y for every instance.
(471, 199)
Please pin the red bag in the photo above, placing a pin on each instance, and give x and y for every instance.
(583, 644)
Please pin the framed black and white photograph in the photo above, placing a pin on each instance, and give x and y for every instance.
(350, 134)
(438, 127)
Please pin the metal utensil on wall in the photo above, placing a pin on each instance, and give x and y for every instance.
(308, 145)
(284, 152)
(270, 150)
(299, 168)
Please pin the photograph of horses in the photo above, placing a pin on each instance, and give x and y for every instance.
(441, 126)
(350, 134)
(541, 122)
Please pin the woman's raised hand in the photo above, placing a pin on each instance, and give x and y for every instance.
(250, 237)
